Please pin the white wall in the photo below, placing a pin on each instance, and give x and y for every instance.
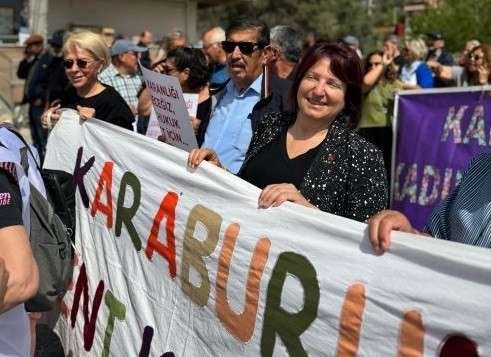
(128, 17)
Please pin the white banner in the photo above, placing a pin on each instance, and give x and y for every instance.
(170, 109)
(183, 261)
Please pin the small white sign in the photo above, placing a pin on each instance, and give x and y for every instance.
(191, 100)
(170, 109)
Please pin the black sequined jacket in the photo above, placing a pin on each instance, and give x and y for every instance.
(347, 177)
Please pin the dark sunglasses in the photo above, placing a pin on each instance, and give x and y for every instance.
(68, 63)
(475, 57)
(245, 47)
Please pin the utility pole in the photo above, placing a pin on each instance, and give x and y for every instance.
(38, 17)
(369, 7)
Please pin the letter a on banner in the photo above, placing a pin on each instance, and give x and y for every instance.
(167, 209)
(106, 179)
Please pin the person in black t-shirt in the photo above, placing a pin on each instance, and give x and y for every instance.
(85, 56)
(19, 276)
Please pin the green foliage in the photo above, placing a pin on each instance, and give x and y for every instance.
(330, 19)
(459, 20)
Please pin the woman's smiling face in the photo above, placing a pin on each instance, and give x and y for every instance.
(81, 68)
(321, 94)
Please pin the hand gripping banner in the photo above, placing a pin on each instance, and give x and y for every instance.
(173, 261)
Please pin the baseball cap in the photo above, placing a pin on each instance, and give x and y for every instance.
(33, 39)
(435, 35)
(57, 38)
(351, 40)
(122, 46)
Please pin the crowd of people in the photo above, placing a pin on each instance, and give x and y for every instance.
(306, 121)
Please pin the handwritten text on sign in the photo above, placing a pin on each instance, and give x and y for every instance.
(437, 136)
(170, 109)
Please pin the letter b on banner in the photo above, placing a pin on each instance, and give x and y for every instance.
(194, 250)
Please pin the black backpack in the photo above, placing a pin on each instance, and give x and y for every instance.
(50, 243)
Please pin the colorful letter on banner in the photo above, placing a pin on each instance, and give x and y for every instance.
(229, 279)
(438, 133)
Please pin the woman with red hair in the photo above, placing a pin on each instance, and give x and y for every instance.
(310, 156)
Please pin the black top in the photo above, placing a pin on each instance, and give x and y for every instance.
(346, 177)
(145, 57)
(10, 201)
(25, 67)
(203, 113)
(272, 165)
(109, 106)
(57, 82)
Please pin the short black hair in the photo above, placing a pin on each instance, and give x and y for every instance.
(248, 24)
(195, 60)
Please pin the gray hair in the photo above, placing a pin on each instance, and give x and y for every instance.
(392, 38)
(216, 34)
(289, 41)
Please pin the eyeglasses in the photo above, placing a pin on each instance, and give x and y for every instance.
(246, 48)
(475, 57)
(169, 69)
(81, 63)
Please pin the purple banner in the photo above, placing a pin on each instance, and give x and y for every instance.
(437, 135)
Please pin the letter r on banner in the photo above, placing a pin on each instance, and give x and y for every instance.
(106, 179)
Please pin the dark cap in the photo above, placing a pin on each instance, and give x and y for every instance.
(57, 38)
(122, 46)
(34, 39)
(435, 35)
(351, 41)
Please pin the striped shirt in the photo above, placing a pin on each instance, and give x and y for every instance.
(465, 216)
(127, 86)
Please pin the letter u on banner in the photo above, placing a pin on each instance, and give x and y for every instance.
(240, 325)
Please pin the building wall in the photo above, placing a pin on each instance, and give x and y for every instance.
(127, 17)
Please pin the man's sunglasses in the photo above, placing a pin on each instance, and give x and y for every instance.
(82, 64)
(245, 47)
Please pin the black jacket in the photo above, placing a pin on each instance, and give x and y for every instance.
(347, 178)
(25, 67)
(445, 58)
(274, 98)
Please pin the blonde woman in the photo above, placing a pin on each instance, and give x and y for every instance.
(415, 74)
(85, 55)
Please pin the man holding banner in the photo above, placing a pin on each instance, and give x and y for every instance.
(247, 96)
(465, 215)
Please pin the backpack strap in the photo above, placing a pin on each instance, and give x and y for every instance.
(25, 151)
(24, 159)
